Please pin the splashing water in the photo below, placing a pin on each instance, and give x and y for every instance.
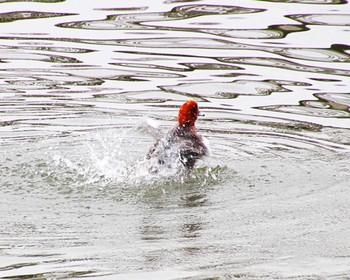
(112, 158)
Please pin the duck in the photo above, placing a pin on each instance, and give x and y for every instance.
(180, 147)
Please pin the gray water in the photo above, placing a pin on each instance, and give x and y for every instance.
(78, 78)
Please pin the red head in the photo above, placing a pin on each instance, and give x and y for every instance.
(188, 113)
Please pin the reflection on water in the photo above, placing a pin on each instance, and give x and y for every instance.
(77, 200)
(38, 1)
(13, 16)
(315, 2)
(271, 32)
(233, 89)
(323, 19)
(144, 20)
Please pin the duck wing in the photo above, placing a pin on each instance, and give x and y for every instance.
(150, 127)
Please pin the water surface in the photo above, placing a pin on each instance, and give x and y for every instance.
(77, 80)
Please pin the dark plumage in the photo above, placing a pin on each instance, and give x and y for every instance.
(182, 143)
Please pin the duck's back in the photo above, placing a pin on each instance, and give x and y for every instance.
(179, 144)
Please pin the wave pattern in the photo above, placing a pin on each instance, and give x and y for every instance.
(272, 79)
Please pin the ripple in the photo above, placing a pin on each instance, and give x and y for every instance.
(49, 49)
(21, 81)
(322, 19)
(152, 66)
(339, 101)
(123, 9)
(72, 165)
(52, 83)
(328, 105)
(171, 43)
(43, 265)
(210, 66)
(143, 97)
(325, 80)
(226, 90)
(245, 33)
(142, 21)
(284, 64)
(56, 274)
(19, 54)
(38, 1)
(112, 22)
(315, 104)
(179, 1)
(17, 80)
(168, 43)
(202, 10)
(188, 66)
(337, 53)
(272, 32)
(315, 2)
(307, 111)
(24, 15)
(324, 55)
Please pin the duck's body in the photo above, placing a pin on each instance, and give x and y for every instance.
(182, 145)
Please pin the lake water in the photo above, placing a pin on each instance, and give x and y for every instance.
(77, 79)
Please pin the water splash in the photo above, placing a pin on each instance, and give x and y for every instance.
(112, 160)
